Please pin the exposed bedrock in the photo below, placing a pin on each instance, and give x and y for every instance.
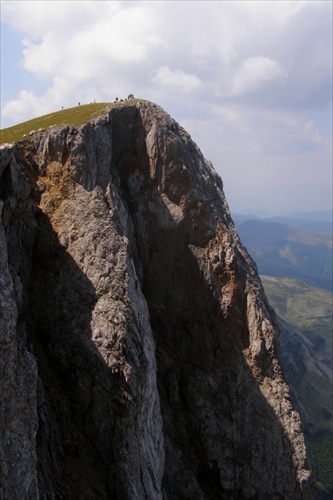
(139, 352)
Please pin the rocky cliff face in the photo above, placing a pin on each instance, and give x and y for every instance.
(138, 351)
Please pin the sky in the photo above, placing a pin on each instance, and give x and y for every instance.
(250, 81)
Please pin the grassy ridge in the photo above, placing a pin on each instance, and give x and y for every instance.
(72, 116)
(302, 305)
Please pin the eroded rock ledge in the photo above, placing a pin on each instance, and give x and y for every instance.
(139, 354)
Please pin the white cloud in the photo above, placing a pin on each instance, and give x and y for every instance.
(252, 74)
(41, 59)
(27, 104)
(312, 133)
(126, 37)
(38, 19)
(176, 79)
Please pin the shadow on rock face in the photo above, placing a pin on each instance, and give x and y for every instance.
(223, 439)
(99, 423)
(219, 429)
(74, 377)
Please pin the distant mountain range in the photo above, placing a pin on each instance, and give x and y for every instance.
(319, 221)
(285, 250)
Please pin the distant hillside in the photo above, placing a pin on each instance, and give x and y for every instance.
(318, 222)
(305, 319)
(286, 251)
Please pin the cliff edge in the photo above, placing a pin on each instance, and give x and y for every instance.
(139, 354)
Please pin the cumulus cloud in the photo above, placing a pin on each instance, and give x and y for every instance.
(43, 58)
(176, 79)
(252, 74)
(25, 105)
(38, 19)
(125, 36)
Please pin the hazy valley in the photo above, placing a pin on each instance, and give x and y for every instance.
(284, 250)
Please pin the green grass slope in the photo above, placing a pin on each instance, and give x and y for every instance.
(73, 116)
(305, 318)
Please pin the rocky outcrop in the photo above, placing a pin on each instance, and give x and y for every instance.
(139, 353)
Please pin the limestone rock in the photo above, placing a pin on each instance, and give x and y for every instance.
(139, 352)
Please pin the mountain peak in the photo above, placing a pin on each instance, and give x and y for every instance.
(136, 332)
